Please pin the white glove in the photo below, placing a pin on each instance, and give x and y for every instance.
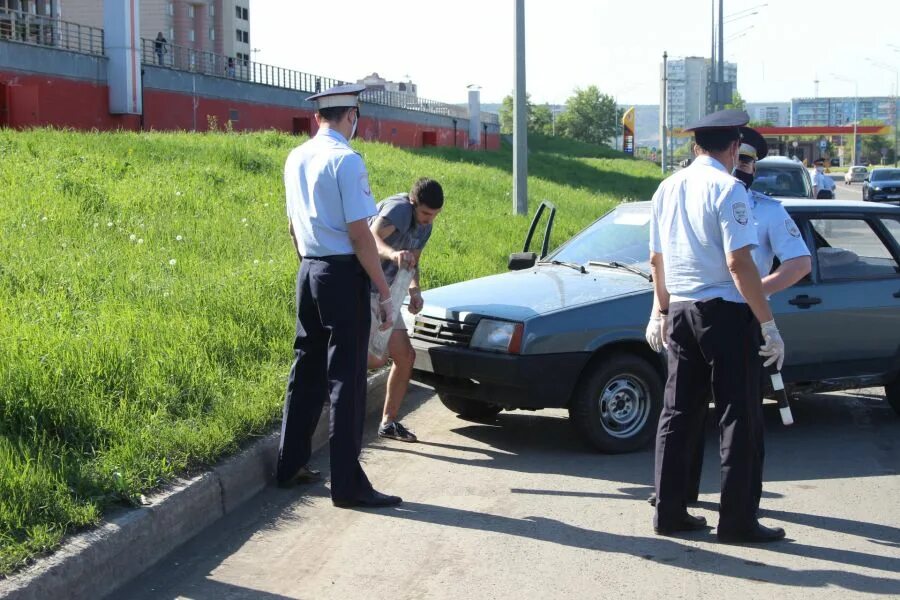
(656, 332)
(386, 314)
(773, 348)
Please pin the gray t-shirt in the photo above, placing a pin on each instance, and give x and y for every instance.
(408, 234)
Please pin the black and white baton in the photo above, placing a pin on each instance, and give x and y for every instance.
(784, 406)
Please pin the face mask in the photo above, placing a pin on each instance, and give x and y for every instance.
(744, 177)
(353, 130)
(820, 169)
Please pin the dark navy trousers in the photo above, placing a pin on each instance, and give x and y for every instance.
(713, 346)
(330, 348)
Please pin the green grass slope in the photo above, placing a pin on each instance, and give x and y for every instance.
(146, 297)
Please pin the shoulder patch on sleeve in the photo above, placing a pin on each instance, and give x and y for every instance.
(364, 183)
(740, 213)
(792, 228)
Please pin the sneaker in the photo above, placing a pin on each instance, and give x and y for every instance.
(396, 431)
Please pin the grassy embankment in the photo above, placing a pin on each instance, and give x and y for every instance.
(146, 297)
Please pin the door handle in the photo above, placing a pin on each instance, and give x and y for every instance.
(804, 301)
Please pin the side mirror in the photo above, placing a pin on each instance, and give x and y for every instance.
(519, 261)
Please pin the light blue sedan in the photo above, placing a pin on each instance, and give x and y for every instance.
(566, 329)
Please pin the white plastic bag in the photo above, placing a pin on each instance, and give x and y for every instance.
(378, 340)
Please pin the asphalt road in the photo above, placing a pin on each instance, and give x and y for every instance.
(519, 508)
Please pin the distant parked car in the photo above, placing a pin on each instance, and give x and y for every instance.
(566, 329)
(780, 176)
(882, 185)
(857, 173)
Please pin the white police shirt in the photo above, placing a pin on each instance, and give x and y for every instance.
(822, 181)
(327, 186)
(778, 234)
(698, 215)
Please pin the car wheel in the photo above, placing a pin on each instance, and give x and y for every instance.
(616, 405)
(892, 393)
(468, 408)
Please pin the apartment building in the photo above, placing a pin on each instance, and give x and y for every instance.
(214, 26)
(834, 111)
(687, 89)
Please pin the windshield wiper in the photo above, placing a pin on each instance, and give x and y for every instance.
(617, 265)
(571, 265)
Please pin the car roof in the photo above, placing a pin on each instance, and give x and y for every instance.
(779, 160)
(820, 205)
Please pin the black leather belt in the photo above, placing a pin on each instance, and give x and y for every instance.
(333, 258)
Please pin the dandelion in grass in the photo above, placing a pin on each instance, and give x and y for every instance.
(244, 220)
(23, 226)
(43, 218)
(140, 240)
(177, 193)
(256, 261)
(109, 224)
(178, 238)
(172, 262)
(132, 237)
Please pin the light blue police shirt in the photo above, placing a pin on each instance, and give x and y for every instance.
(698, 215)
(326, 186)
(778, 234)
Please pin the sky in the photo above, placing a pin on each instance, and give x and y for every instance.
(614, 44)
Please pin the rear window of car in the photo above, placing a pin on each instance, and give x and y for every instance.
(859, 169)
(785, 182)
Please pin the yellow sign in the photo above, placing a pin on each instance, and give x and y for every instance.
(628, 119)
(628, 131)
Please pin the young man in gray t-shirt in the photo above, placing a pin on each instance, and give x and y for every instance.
(401, 228)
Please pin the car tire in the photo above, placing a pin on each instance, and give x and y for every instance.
(892, 394)
(616, 405)
(468, 408)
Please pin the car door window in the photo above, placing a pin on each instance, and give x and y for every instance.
(893, 226)
(851, 249)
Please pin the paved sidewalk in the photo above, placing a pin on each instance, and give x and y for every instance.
(519, 508)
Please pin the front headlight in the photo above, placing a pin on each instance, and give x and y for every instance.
(497, 336)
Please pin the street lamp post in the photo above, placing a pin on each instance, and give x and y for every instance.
(855, 112)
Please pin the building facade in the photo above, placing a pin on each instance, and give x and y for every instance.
(832, 111)
(206, 26)
(376, 82)
(776, 114)
(687, 85)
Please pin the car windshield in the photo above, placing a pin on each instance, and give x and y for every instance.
(885, 174)
(785, 182)
(621, 236)
(859, 169)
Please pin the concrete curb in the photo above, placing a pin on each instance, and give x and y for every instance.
(95, 563)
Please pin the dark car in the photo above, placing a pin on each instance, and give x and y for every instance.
(566, 330)
(882, 185)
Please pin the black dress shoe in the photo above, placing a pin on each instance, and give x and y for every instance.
(304, 475)
(373, 500)
(687, 523)
(756, 534)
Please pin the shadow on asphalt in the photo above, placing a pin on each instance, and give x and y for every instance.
(669, 550)
(831, 433)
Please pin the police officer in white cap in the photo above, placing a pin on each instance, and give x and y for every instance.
(778, 237)
(708, 306)
(328, 204)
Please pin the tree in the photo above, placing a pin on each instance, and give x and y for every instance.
(755, 124)
(589, 117)
(540, 120)
(737, 102)
(506, 113)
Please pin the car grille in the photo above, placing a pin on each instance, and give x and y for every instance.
(443, 331)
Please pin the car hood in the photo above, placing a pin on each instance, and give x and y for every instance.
(520, 295)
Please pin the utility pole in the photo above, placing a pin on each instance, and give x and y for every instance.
(664, 109)
(520, 115)
(720, 77)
